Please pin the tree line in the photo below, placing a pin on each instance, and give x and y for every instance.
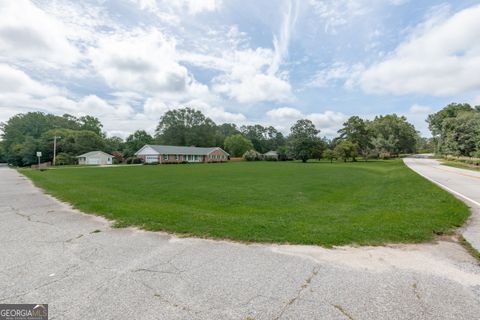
(25, 134)
(456, 130)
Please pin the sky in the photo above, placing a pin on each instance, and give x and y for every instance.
(270, 62)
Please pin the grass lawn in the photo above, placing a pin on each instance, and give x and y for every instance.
(460, 165)
(290, 202)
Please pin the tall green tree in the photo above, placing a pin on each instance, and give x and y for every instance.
(237, 145)
(303, 140)
(357, 131)
(346, 150)
(456, 129)
(113, 144)
(397, 131)
(263, 138)
(223, 131)
(89, 123)
(135, 142)
(186, 127)
(24, 134)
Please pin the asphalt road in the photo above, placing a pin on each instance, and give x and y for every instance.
(464, 184)
(84, 269)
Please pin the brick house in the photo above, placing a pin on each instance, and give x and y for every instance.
(171, 154)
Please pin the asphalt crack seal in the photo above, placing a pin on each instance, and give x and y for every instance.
(343, 311)
(304, 286)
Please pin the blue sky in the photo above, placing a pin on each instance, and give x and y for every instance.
(270, 62)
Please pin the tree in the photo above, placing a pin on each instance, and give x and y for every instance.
(400, 134)
(263, 138)
(90, 123)
(186, 127)
(461, 135)
(237, 145)
(329, 155)
(435, 121)
(283, 153)
(24, 134)
(223, 131)
(303, 140)
(113, 144)
(456, 129)
(356, 131)
(135, 142)
(346, 150)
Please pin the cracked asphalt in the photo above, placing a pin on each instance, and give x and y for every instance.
(84, 269)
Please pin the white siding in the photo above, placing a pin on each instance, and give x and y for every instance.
(147, 151)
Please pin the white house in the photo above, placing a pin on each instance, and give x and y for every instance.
(176, 154)
(95, 157)
(271, 155)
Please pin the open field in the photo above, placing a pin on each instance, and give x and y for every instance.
(315, 203)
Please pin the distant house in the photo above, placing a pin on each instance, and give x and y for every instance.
(271, 155)
(95, 157)
(172, 154)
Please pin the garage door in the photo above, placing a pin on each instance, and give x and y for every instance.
(151, 159)
(93, 161)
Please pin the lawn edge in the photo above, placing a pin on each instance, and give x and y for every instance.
(469, 248)
(118, 224)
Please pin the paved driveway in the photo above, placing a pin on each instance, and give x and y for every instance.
(464, 184)
(84, 269)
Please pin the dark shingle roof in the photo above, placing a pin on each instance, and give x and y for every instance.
(182, 150)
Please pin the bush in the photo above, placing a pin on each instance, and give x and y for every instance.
(133, 160)
(252, 155)
(65, 159)
(384, 155)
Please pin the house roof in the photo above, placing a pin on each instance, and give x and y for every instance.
(93, 153)
(181, 150)
(271, 153)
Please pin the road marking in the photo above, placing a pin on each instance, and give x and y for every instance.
(447, 188)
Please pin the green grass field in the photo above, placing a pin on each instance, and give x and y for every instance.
(320, 203)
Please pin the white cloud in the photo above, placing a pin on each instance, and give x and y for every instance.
(169, 11)
(196, 6)
(329, 122)
(285, 113)
(337, 13)
(247, 78)
(13, 80)
(143, 61)
(442, 57)
(28, 33)
(418, 109)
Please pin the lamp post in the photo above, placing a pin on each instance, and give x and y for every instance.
(55, 148)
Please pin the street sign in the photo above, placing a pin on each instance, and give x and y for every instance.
(39, 154)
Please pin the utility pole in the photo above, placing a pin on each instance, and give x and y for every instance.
(55, 148)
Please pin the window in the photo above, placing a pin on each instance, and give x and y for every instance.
(177, 157)
(165, 157)
(196, 157)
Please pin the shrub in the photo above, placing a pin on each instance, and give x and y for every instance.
(64, 159)
(133, 160)
(252, 155)
(384, 155)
